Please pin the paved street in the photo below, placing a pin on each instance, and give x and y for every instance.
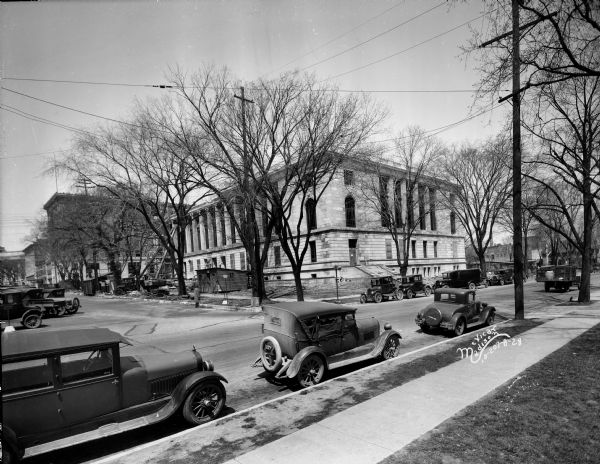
(230, 339)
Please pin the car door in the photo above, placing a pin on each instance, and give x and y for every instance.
(349, 332)
(471, 307)
(330, 333)
(29, 401)
(89, 384)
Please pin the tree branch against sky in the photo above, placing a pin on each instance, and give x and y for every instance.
(482, 185)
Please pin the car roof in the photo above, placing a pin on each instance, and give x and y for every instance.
(29, 343)
(7, 290)
(303, 309)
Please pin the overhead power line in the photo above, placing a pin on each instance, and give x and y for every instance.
(120, 84)
(406, 49)
(372, 38)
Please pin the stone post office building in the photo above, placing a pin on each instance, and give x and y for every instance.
(346, 233)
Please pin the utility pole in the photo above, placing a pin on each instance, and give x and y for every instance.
(249, 208)
(516, 145)
(516, 128)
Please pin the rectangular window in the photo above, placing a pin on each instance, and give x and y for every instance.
(422, 211)
(348, 177)
(214, 262)
(424, 248)
(455, 250)
(26, 375)
(86, 365)
(223, 261)
(232, 261)
(313, 251)
(277, 253)
(191, 229)
(432, 201)
(243, 261)
(383, 201)
(388, 249)
(435, 254)
(222, 224)
(413, 248)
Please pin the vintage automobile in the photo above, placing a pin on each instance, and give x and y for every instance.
(412, 285)
(454, 310)
(14, 306)
(501, 277)
(63, 387)
(70, 305)
(382, 288)
(462, 278)
(303, 340)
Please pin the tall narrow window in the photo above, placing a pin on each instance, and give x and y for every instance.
(435, 251)
(243, 261)
(432, 201)
(313, 251)
(222, 225)
(388, 249)
(311, 214)
(349, 206)
(383, 201)
(277, 255)
(232, 261)
(398, 203)
(198, 233)
(410, 206)
(348, 177)
(213, 219)
(424, 248)
(452, 222)
(413, 248)
(192, 234)
(422, 211)
(205, 224)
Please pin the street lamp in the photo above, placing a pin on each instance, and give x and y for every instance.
(337, 293)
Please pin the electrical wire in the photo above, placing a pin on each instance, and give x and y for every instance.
(405, 50)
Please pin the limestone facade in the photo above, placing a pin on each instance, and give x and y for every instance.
(337, 240)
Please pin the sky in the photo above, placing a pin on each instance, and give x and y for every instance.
(69, 65)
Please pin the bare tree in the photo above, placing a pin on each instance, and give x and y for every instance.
(275, 151)
(136, 163)
(567, 124)
(415, 156)
(482, 186)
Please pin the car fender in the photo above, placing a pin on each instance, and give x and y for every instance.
(383, 337)
(181, 391)
(10, 441)
(294, 368)
(33, 310)
(486, 312)
(455, 317)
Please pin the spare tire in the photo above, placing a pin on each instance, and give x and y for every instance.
(432, 316)
(270, 354)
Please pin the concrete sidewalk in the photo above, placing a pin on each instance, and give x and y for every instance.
(378, 427)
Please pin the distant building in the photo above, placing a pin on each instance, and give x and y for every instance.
(346, 234)
(12, 267)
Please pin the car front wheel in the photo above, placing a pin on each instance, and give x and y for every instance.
(204, 403)
(409, 294)
(363, 298)
(311, 371)
(391, 347)
(378, 297)
(32, 321)
(460, 327)
(427, 291)
(472, 286)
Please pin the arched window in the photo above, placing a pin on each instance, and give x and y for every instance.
(311, 214)
(349, 206)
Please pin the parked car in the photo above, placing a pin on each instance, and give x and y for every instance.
(454, 310)
(304, 340)
(412, 285)
(71, 305)
(501, 277)
(14, 306)
(37, 297)
(79, 384)
(464, 278)
(382, 288)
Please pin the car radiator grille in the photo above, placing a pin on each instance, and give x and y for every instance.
(165, 385)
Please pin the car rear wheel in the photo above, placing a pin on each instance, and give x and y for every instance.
(425, 328)
(311, 371)
(427, 291)
(409, 293)
(363, 298)
(490, 319)
(501, 282)
(74, 306)
(205, 402)
(399, 295)
(32, 321)
(378, 297)
(270, 354)
(460, 327)
(472, 286)
(391, 347)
